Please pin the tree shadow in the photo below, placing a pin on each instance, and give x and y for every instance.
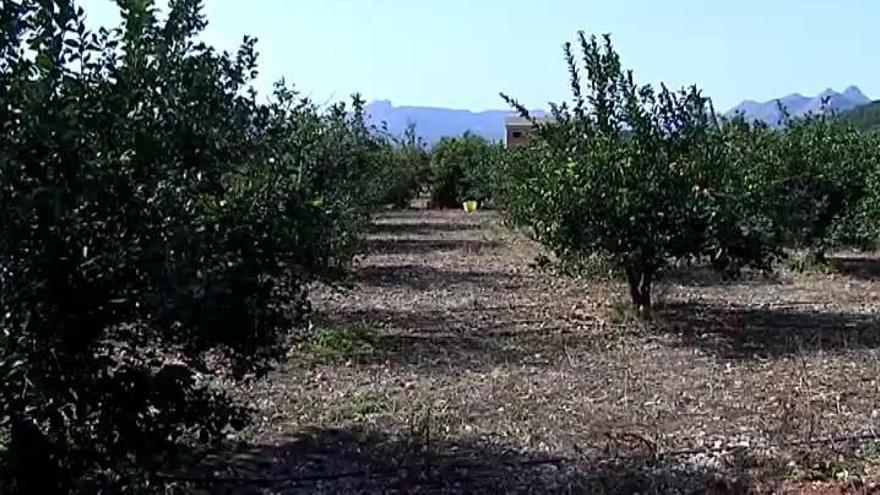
(423, 247)
(422, 228)
(424, 277)
(703, 275)
(862, 267)
(737, 332)
(463, 339)
(361, 461)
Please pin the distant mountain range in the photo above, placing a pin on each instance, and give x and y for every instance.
(435, 123)
(798, 105)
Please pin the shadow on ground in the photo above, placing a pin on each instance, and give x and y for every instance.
(427, 246)
(703, 275)
(351, 461)
(862, 267)
(464, 339)
(737, 332)
(422, 228)
(424, 277)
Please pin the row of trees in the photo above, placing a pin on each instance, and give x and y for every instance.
(646, 178)
(160, 225)
(455, 169)
(159, 228)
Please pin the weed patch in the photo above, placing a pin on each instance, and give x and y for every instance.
(328, 344)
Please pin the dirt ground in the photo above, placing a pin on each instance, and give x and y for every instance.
(454, 365)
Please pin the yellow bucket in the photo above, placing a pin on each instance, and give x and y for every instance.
(470, 206)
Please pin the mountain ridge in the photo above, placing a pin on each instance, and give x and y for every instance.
(434, 123)
(798, 105)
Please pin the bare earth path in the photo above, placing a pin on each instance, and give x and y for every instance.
(454, 366)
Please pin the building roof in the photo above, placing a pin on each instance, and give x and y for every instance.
(519, 121)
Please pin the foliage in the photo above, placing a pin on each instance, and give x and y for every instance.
(331, 344)
(858, 226)
(463, 168)
(638, 176)
(821, 169)
(368, 402)
(158, 228)
(868, 210)
(743, 227)
(864, 117)
(405, 171)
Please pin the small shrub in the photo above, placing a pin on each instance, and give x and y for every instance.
(805, 262)
(871, 452)
(366, 403)
(333, 345)
(623, 313)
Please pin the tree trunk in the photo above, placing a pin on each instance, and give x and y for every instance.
(639, 280)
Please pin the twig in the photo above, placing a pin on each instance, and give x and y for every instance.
(571, 363)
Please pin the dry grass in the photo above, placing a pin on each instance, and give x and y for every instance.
(480, 373)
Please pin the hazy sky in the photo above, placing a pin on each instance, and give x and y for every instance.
(461, 53)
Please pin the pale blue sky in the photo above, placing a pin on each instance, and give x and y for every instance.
(461, 53)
